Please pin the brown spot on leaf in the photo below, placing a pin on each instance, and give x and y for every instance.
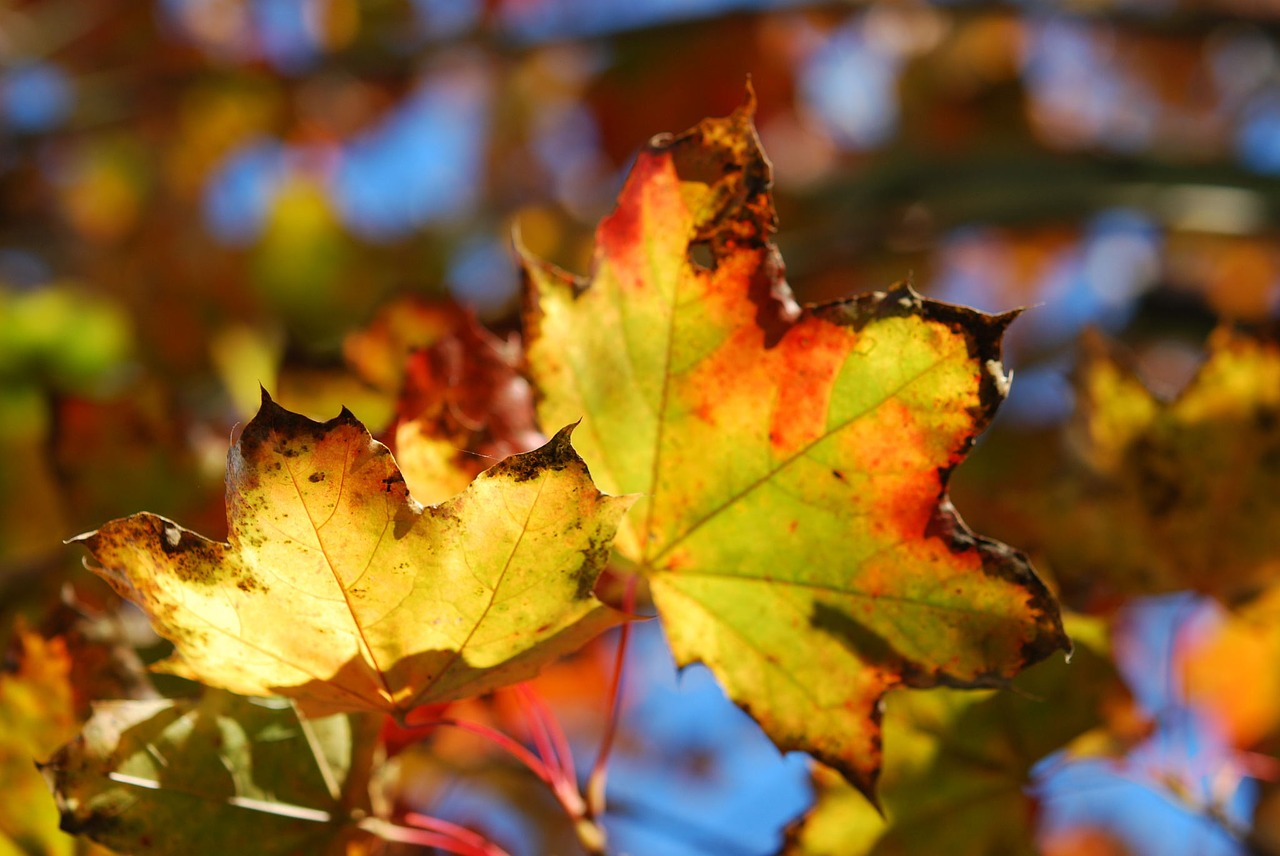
(701, 257)
(174, 540)
(594, 558)
(248, 584)
(556, 455)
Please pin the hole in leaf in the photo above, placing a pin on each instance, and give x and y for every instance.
(701, 257)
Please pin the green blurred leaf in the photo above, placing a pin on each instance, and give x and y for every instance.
(222, 775)
(63, 336)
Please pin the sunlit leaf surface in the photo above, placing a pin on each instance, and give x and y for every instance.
(793, 463)
(336, 588)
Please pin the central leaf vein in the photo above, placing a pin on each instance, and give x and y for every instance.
(333, 567)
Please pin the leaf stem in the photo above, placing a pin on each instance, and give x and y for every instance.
(599, 771)
(438, 833)
(566, 792)
(538, 731)
(553, 763)
(521, 754)
(553, 749)
(549, 721)
(461, 833)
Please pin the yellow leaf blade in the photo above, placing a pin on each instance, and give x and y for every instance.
(336, 588)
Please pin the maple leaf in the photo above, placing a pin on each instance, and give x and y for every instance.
(103, 660)
(377, 353)
(338, 589)
(1159, 496)
(463, 405)
(957, 775)
(794, 526)
(219, 775)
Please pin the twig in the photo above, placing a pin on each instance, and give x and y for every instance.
(599, 771)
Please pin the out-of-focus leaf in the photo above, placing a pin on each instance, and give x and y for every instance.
(32, 515)
(128, 451)
(220, 775)
(61, 336)
(103, 661)
(319, 391)
(1230, 675)
(1160, 497)
(461, 402)
(37, 714)
(957, 764)
(247, 360)
(302, 260)
(338, 589)
(103, 196)
(378, 353)
(463, 406)
(793, 463)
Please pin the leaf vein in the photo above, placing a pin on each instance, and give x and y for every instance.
(765, 478)
(333, 568)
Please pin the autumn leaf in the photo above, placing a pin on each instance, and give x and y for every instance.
(336, 588)
(37, 713)
(958, 764)
(45, 693)
(103, 662)
(794, 526)
(219, 775)
(463, 406)
(1160, 496)
(1228, 672)
(460, 400)
(378, 352)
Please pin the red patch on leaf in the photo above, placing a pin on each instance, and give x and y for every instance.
(808, 361)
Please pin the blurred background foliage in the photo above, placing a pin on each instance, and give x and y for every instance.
(198, 196)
